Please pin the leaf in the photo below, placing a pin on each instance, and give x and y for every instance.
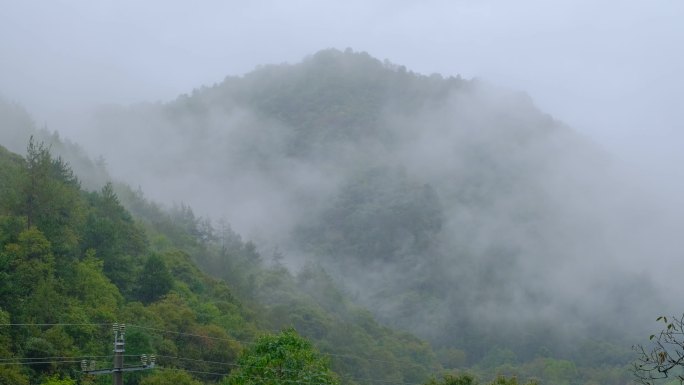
(651, 337)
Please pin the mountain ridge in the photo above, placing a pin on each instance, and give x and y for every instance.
(450, 208)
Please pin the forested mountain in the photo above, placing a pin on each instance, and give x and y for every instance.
(74, 262)
(450, 208)
(421, 195)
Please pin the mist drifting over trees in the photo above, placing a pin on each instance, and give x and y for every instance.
(442, 220)
(473, 189)
(453, 208)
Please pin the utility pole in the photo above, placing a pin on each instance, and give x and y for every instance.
(118, 368)
(119, 349)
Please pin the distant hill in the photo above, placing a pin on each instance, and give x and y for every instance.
(451, 208)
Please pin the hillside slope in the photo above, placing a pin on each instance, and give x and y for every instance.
(72, 262)
(448, 206)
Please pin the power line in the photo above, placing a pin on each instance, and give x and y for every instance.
(190, 334)
(253, 342)
(209, 337)
(198, 360)
(77, 359)
(191, 371)
(50, 358)
(64, 357)
(56, 324)
(251, 377)
(159, 330)
(40, 362)
(373, 380)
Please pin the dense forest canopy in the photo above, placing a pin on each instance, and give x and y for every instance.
(479, 232)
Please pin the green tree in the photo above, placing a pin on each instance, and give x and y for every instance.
(155, 279)
(176, 377)
(10, 174)
(56, 380)
(31, 266)
(449, 379)
(98, 298)
(280, 359)
(111, 231)
(10, 375)
(52, 200)
(467, 379)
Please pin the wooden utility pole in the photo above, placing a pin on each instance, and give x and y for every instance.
(118, 368)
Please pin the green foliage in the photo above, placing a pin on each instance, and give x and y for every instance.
(463, 379)
(451, 358)
(497, 357)
(176, 377)
(155, 279)
(111, 232)
(30, 266)
(468, 379)
(331, 96)
(49, 279)
(509, 381)
(282, 358)
(56, 380)
(52, 198)
(97, 296)
(10, 375)
(10, 175)
(379, 215)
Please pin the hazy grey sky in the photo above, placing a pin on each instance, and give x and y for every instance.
(612, 69)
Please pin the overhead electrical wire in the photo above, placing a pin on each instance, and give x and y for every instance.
(52, 358)
(188, 334)
(252, 342)
(159, 330)
(207, 337)
(78, 359)
(56, 324)
(45, 362)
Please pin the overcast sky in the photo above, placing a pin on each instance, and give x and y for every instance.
(612, 69)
